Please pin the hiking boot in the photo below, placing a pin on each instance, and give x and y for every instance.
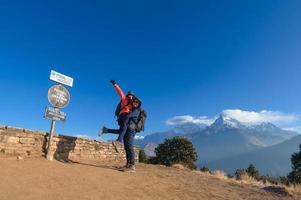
(116, 145)
(104, 130)
(131, 168)
(124, 167)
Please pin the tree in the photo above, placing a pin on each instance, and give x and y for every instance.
(177, 150)
(295, 176)
(252, 171)
(142, 156)
(240, 173)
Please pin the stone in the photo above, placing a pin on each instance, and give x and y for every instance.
(12, 140)
(26, 143)
(27, 140)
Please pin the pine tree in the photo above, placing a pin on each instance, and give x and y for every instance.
(252, 171)
(295, 176)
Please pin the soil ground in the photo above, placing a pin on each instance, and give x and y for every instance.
(40, 179)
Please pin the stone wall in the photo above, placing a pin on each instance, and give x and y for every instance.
(28, 143)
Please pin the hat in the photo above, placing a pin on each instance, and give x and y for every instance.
(130, 93)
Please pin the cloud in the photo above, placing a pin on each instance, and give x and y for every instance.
(139, 137)
(178, 120)
(295, 129)
(245, 117)
(252, 117)
(84, 136)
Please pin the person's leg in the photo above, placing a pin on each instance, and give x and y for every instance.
(129, 148)
(122, 133)
(113, 131)
(120, 123)
(123, 124)
(122, 128)
(126, 148)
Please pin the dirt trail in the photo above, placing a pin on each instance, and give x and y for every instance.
(39, 179)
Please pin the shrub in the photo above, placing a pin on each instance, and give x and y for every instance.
(204, 169)
(252, 171)
(270, 179)
(240, 173)
(152, 160)
(295, 176)
(142, 156)
(284, 180)
(177, 150)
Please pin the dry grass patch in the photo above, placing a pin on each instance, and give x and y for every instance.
(294, 189)
(220, 174)
(179, 166)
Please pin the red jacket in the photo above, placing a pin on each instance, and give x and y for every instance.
(126, 107)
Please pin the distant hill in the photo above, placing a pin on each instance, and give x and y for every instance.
(157, 138)
(273, 160)
(225, 138)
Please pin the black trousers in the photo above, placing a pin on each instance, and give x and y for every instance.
(129, 146)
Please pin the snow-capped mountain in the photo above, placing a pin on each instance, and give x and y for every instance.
(224, 122)
(264, 134)
(225, 137)
(272, 130)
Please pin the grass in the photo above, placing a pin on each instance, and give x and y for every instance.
(248, 180)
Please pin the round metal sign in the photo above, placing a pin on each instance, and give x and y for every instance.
(58, 96)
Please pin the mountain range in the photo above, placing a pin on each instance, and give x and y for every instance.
(227, 144)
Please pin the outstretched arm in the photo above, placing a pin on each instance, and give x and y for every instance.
(118, 89)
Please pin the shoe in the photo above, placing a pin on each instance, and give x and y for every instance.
(124, 167)
(130, 169)
(116, 144)
(104, 130)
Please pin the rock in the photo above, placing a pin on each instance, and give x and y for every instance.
(19, 158)
(27, 140)
(282, 191)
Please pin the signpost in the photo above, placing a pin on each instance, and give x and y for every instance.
(58, 97)
(61, 78)
(55, 114)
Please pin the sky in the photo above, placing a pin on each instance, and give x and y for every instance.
(182, 58)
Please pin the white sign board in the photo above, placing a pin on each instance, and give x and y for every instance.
(58, 96)
(61, 78)
(55, 114)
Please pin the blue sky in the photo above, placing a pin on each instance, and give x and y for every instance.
(181, 57)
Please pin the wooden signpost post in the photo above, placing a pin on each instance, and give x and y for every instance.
(59, 97)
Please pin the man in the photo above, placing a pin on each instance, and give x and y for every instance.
(129, 132)
(127, 114)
